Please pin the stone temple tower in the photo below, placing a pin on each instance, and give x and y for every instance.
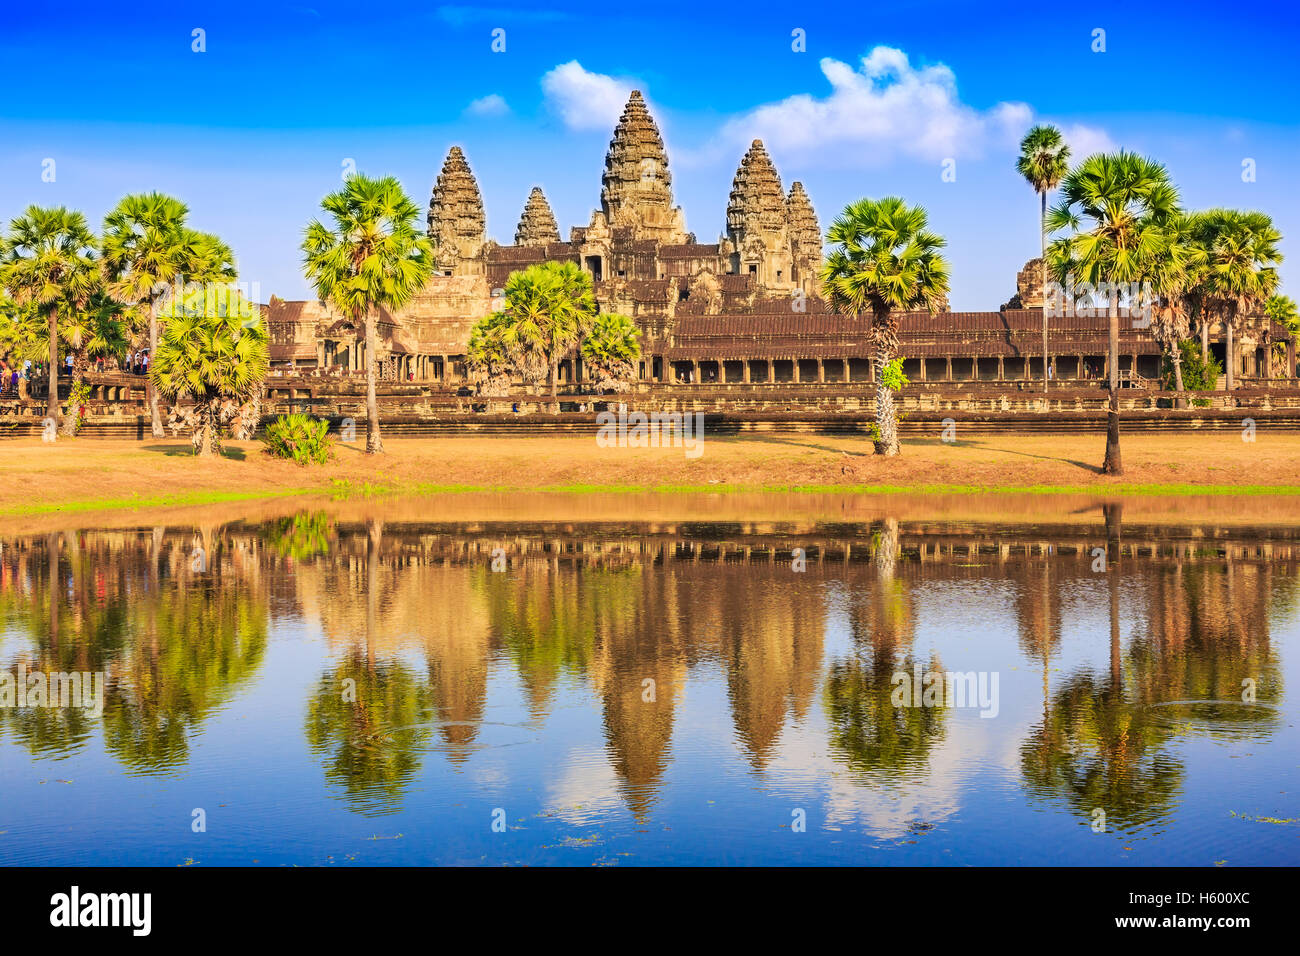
(456, 220)
(537, 223)
(805, 240)
(758, 238)
(636, 188)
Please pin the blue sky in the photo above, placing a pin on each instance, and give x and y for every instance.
(255, 130)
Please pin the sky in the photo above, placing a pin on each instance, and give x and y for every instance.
(250, 112)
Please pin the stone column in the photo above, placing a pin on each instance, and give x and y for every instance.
(921, 374)
(744, 371)
(794, 365)
(1290, 359)
(695, 372)
(771, 371)
(846, 370)
(821, 370)
(948, 368)
(1001, 368)
(722, 371)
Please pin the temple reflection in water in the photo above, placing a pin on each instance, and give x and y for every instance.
(1168, 636)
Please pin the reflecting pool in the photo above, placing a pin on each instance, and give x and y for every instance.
(335, 687)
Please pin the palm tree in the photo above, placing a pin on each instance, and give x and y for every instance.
(886, 261)
(1116, 205)
(24, 334)
(1282, 310)
(374, 257)
(147, 249)
(47, 262)
(90, 329)
(1241, 253)
(551, 306)
(488, 357)
(1044, 160)
(1174, 276)
(217, 356)
(611, 350)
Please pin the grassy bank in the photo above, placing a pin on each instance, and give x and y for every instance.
(82, 476)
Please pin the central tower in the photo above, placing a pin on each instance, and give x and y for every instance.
(636, 188)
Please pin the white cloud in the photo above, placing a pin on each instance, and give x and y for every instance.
(1086, 140)
(884, 109)
(585, 100)
(491, 105)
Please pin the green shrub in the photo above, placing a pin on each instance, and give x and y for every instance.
(1198, 375)
(301, 437)
(893, 376)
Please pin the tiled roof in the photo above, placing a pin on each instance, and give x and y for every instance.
(689, 251)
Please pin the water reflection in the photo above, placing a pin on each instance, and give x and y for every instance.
(417, 622)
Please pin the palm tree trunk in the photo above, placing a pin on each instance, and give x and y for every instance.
(1177, 358)
(78, 375)
(203, 412)
(1205, 335)
(1229, 360)
(555, 374)
(52, 402)
(886, 417)
(374, 443)
(1042, 235)
(151, 393)
(1113, 465)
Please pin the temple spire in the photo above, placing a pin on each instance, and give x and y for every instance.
(537, 223)
(805, 239)
(636, 188)
(456, 220)
(756, 207)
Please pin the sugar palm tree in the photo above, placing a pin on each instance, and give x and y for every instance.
(885, 261)
(552, 306)
(1044, 160)
(372, 257)
(24, 333)
(217, 356)
(1241, 250)
(488, 357)
(90, 328)
(1174, 275)
(48, 261)
(147, 251)
(1116, 206)
(611, 350)
(1282, 310)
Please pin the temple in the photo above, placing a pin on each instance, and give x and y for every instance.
(742, 310)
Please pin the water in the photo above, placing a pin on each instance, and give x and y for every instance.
(353, 686)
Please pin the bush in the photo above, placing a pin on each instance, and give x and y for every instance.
(1198, 375)
(893, 376)
(301, 437)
